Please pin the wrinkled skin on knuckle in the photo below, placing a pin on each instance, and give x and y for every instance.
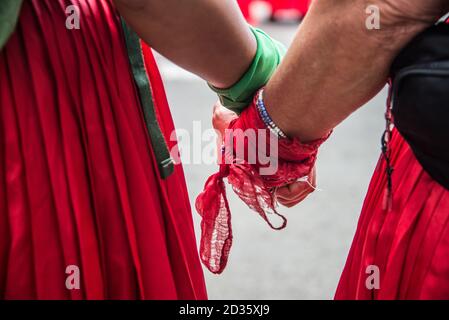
(414, 11)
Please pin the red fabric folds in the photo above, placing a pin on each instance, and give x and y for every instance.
(243, 166)
(409, 243)
(79, 183)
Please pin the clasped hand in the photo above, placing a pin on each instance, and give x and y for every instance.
(288, 195)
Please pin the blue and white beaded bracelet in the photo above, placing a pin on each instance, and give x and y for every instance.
(266, 117)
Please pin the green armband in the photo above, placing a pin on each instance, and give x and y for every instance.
(268, 56)
(9, 14)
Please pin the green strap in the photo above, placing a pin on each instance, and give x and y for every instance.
(9, 14)
(164, 160)
(268, 56)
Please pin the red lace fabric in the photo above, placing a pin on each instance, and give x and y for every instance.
(294, 160)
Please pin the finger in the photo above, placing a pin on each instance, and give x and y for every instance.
(299, 197)
(221, 117)
(294, 191)
(312, 177)
(284, 193)
(292, 203)
(288, 199)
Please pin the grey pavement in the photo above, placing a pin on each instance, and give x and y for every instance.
(305, 260)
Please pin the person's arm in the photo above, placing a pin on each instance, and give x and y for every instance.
(336, 64)
(207, 37)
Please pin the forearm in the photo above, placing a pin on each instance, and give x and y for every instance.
(207, 37)
(334, 66)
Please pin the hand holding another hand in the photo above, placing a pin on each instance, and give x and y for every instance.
(288, 195)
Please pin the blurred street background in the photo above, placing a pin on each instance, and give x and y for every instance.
(305, 260)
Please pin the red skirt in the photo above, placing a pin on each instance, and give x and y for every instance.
(408, 244)
(302, 6)
(245, 8)
(79, 184)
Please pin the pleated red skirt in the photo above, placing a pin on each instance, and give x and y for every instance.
(79, 184)
(408, 244)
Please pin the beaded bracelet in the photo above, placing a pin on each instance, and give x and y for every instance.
(266, 117)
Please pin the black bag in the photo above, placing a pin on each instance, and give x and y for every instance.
(420, 77)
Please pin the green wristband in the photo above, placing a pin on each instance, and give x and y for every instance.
(268, 56)
(9, 14)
